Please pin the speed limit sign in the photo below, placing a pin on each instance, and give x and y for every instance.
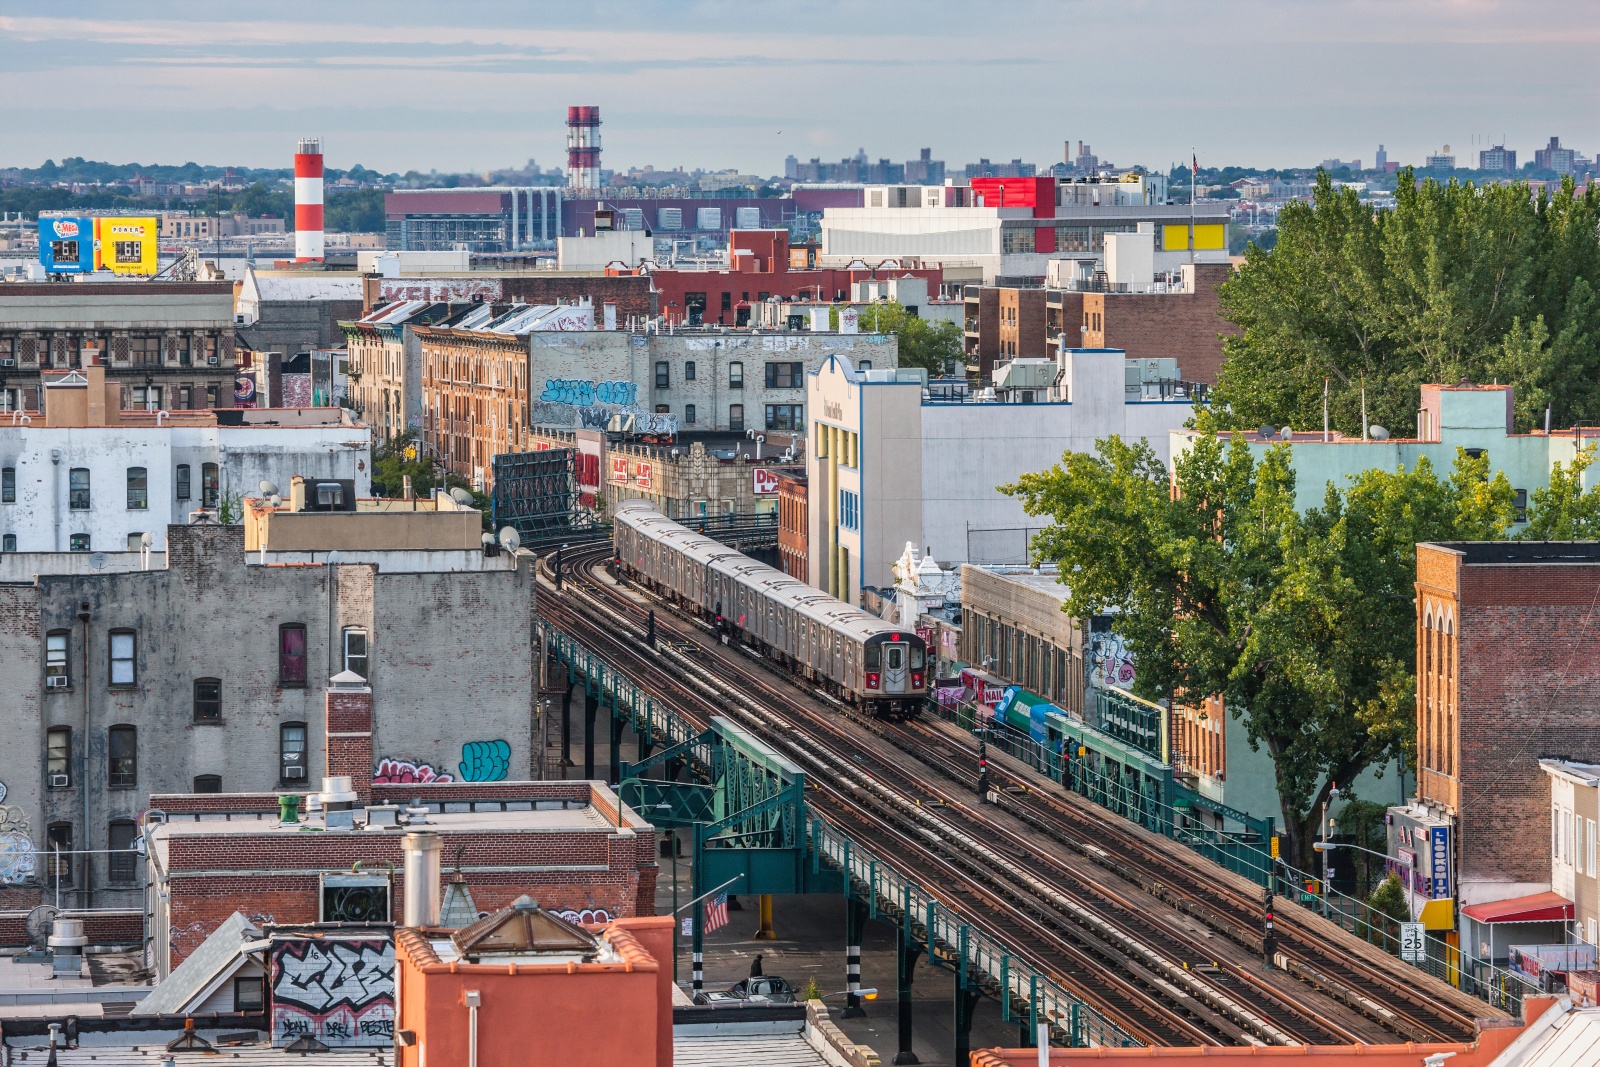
(1413, 943)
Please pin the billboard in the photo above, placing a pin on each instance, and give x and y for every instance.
(126, 245)
(66, 245)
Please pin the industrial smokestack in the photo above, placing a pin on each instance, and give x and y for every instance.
(583, 148)
(308, 201)
(422, 877)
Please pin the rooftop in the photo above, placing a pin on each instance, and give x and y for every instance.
(520, 817)
(1492, 553)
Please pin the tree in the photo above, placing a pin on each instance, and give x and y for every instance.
(934, 346)
(1563, 511)
(1389, 907)
(356, 211)
(1456, 281)
(1302, 623)
(396, 458)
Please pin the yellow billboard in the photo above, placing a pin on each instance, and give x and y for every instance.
(126, 245)
(1208, 236)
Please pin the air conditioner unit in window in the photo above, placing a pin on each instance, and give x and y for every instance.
(8, 363)
(213, 360)
(56, 681)
(241, 320)
(293, 772)
(60, 781)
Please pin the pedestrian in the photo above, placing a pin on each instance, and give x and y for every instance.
(755, 966)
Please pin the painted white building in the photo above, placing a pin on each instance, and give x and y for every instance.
(952, 227)
(89, 476)
(894, 460)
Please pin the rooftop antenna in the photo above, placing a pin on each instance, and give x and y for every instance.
(510, 540)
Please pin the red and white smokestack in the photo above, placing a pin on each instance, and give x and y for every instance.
(308, 201)
(583, 148)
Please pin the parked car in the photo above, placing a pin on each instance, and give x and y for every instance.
(766, 989)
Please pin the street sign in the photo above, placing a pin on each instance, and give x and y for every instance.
(1274, 846)
(1413, 943)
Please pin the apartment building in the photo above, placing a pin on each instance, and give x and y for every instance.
(167, 345)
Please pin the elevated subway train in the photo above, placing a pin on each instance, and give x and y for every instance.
(858, 656)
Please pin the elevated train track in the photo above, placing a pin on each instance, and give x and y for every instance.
(1166, 948)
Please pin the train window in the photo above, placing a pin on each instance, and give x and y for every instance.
(916, 658)
(897, 657)
(874, 657)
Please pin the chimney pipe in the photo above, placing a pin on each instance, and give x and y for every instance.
(422, 849)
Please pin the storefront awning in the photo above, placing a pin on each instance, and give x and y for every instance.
(1533, 908)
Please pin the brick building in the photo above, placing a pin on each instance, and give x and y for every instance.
(793, 524)
(695, 479)
(1185, 324)
(1012, 626)
(384, 357)
(1508, 670)
(210, 675)
(167, 344)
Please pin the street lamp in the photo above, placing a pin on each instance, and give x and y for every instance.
(1326, 832)
(864, 994)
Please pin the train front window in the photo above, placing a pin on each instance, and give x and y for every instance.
(874, 657)
(897, 657)
(916, 658)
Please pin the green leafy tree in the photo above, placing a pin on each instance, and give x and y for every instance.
(1563, 510)
(396, 458)
(1302, 623)
(934, 346)
(1389, 908)
(356, 211)
(1456, 281)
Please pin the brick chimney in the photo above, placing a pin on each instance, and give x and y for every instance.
(349, 731)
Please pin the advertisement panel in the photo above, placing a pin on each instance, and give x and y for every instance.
(619, 470)
(126, 245)
(764, 482)
(66, 245)
(644, 474)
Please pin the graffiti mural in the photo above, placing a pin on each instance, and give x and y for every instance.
(588, 916)
(1110, 662)
(485, 761)
(340, 992)
(581, 393)
(392, 771)
(18, 858)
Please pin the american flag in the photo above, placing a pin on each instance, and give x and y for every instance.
(717, 913)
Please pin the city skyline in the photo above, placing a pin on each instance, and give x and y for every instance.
(705, 85)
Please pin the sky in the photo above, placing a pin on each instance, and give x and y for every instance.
(471, 86)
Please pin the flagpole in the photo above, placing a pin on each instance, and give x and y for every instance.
(1194, 187)
(703, 896)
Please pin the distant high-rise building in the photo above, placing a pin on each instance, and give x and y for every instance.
(791, 168)
(1441, 162)
(1086, 162)
(1554, 157)
(1498, 160)
(1381, 160)
(925, 170)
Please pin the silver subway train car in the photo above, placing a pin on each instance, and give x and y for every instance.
(858, 656)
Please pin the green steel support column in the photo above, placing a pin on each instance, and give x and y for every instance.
(907, 952)
(591, 704)
(616, 741)
(965, 1003)
(566, 728)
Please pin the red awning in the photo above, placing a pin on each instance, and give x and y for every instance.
(1533, 908)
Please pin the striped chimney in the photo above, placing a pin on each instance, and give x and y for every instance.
(308, 201)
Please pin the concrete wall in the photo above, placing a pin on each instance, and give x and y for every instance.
(310, 531)
(290, 326)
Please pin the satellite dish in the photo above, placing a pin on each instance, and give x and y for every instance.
(1378, 433)
(510, 540)
(145, 540)
(460, 495)
(268, 489)
(1286, 434)
(275, 500)
(1266, 431)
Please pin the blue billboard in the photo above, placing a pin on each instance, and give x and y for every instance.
(66, 245)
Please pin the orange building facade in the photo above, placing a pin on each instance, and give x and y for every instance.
(474, 398)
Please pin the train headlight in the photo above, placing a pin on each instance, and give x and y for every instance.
(916, 680)
(872, 680)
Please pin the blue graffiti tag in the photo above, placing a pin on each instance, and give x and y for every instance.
(485, 761)
(582, 393)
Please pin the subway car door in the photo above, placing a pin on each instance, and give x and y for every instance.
(895, 670)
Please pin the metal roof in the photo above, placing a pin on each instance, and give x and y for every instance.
(199, 973)
(736, 1050)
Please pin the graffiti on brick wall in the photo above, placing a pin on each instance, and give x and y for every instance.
(339, 992)
(587, 915)
(392, 771)
(582, 393)
(1110, 662)
(485, 761)
(296, 390)
(18, 858)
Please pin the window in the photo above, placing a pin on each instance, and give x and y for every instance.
(292, 654)
(736, 418)
(1520, 506)
(727, 301)
(865, 364)
(8, 485)
(185, 396)
(211, 396)
(8, 543)
(688, 371)
(147, 398)
(688, 414)
(208, 783)
(785, 376)
(736, 376)
(292, 751)
(181, 479)
(58, 757)
(78, 543)
(330, 495)
(182, 343)
(249, 994)
(122, 757)
(59, 868)
(138, 488)
(123, 671)
(78, 489)
(355, 651)
(55, 656)
(207, 700)
(786, 416)
(208, 484)
(1013, 239)
(120, 836)
(849, 510)
(663, 375)
(145, 349)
